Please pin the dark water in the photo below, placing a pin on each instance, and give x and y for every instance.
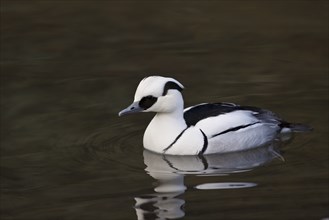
(68, 67)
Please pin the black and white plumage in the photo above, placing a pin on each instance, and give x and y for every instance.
(204, 128)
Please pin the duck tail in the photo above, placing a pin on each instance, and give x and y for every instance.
(296, 127)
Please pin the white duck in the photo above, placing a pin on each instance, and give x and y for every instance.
(201, 129)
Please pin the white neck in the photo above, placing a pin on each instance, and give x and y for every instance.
(165, 127)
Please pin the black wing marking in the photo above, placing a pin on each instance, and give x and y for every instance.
(196, 113)
(199, 112)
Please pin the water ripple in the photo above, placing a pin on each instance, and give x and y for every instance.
(103, 146)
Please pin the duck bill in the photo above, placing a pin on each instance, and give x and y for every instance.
(133, 108)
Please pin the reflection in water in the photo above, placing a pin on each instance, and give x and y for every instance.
(230, 185)
(169, 171)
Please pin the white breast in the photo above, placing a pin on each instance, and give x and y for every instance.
(191, 142)
(162, 131)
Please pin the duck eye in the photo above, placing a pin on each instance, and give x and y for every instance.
(147, 101)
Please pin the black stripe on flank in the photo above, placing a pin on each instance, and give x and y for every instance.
(171, 85)
(205, 142)
(147, 101)
(234, 129)
(176, 139)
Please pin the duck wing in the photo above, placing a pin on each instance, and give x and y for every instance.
(217, 119)
(197, 113)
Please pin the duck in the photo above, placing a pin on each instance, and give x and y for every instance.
(206, 128)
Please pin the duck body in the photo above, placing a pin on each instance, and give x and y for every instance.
(206, 128)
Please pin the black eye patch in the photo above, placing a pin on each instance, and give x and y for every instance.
(147, 101)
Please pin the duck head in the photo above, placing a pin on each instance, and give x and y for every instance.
(156, 94)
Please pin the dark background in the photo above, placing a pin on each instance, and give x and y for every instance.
(68, 67)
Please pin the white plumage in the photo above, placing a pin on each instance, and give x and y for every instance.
(204, 128)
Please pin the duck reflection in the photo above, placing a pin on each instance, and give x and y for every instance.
(169, 171)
